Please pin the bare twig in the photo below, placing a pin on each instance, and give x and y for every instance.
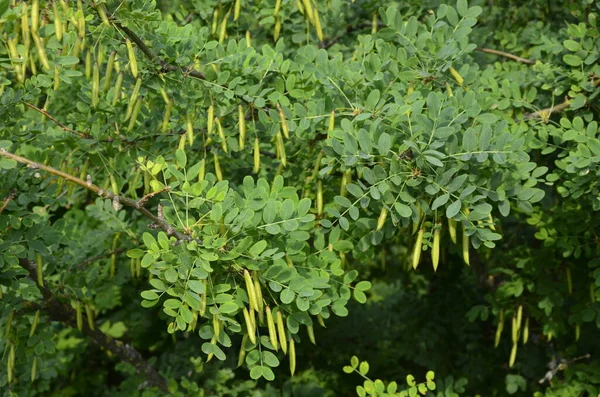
(58, 311)
(161, 223)
(61, 125)
(545, 113)
(349, 29)
(142, 202)
(80, 265)
(8, 199)
(506, 55)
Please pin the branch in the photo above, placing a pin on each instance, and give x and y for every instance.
(545, 113)
(58, 311)
(349, 29)
(506, 55)
(8, 199)
(61, 125)
(161, 223)
(80, 265)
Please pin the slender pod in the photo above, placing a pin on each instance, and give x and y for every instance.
(33, 368)
(133, 98)
(236, 9)
(284, 124)
(133, 67)
(25, 33)
(252, 297)
(311, 334)
(135, 112)
(189, 127)
(459, 79)
(10, 363)
(117, 90)
(319, 197)
(166, 117)
(242, 354)
(101, 9)
(109, 69)
(513, 355)
(95, 85)
(216, 325)
(223, 27)
(271, 327)
(382, 218)
(526, 331)
(241, 127)
(292, 356)
(34, 323)
(249, 325)
(35, 16)
(256, 167)
(465, 247)
(39, 45)
(435, 250)
(39, 268)
(258, 292)
(221, 134)
(89, 314)
(418, 248)
(452, 229)
(79, 315)
(218, 171)
(277, 7)
(499, 328)
(281, 332)
(58, 25)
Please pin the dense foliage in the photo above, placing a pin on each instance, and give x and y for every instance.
(195, 193)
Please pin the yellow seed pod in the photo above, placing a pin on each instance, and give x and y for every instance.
(236, 9)
(331, 125)
(449, 90)
(452, 229)
(311, 334)
(292, 356)
(258, 292)
(308, 11)
(253, 318)
(435, 250)
(39, 45)
(35, 16)
(256, 167)
(277, 7)
(58, 25)
(319, 198)
(39, 267)
(79, 315)
(203, 301)
(283, 121)
(101, 9)
(418, 248)
(242, 355)
(210, 117)
(132, 60)
(456, 76)
(202, 170)
(166, 117)
(10, 363)
(56, 84)
(277, 28)
(569, 281)
(491, 222)
(109, 69)
(89, 313)
(95, 85)
(465, 247)
(223, 27)
(374, 23)
(317, 24)
(33, 369)
(252, 297)
(281, 332)
(77, 49)
(213, 341)
(81, 18)
(382, 218)
(577, 332)
(519, 316)
(218, 171)
(135, 112)
(215, 21)
(320, 320)
(249, 326)
(216, 325)
(515, 330)
(271, 327)
(189, 127)
(248, 39)
(133, 98)
(526, 331)
(499, 328)
(281, 149)
(34, 323)
(416, 225)
(300, 6)
(241, 127)
(25, 34)
(513, 355)
(221, 134)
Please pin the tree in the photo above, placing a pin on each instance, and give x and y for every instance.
(190, 183)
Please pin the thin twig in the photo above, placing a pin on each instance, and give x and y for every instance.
(61, 125)
(58, 311)
(349, 29)
(142, 202)
(80, 265)
(8, 199)
(107, 194)
(506, 55)
(545, 113)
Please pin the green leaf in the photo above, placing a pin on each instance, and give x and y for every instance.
(384, 144)
(572, 60)
(403, 210)
(363, 368)
(453, 209)
(181, 158)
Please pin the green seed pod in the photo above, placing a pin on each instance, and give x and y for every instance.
(281, 332)
(39, 45)
(218, 171)
(292, 356)
(117, 90)
(25, 33)
(241, 127)
(311, 334)
(35, 16)
(249, 325)
(95, 85)
(89, 313)
(236, 9)
(242, 355)
(166, 117)
(33, 369)
(109, 69)
(271, 327)
(101, 9)
(133, 98)
(256, 167)
(34, 323)
(418, 248)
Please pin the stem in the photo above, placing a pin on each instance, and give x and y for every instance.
(506, 55)
(61, 125)
(548, 111)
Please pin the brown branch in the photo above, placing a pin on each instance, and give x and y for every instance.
(58, 311)
(142, 202)
(80, 265)
(61, 125)
(545, 113)
(161, 223)
(506, 55)
(8, 199)
(349, 29)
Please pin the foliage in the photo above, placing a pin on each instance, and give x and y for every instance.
(188, 186)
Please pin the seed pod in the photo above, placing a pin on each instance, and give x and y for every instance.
(221, 135)
(317, 24)
(499, 328)
(135, 112)
(418, 248)
(58, 25)
(465, 247)
(515, 330)
(35, 16)
(56, 84)
(202, 170)
(203, 301)
(281, 332)
(344, 183)
(271, 327)
(132, 60)
(113, 256)
(382, 218)
(218, 171)
(456, 76)
(89, 313)
(117, 90)
(277, 28)
(100, 54)
(166, 117)
(374, 23)
(277, 7)
(519, 316)
(79, 315)
(216, 325)
(569, 281)
(252, 297)
(435, 250)
(209, 119)
(109, 69)
(331, 125)
(452, 229)
(253, 318)
(210, 355)
(101, 9)
(241, 127)
(281, 149)
(189, 127)
(577, 332)
(311, 334)
(319, 198)
(10, 363)
(258, 293)
(236, 9)
(292, 356)
(95, 85)
(215, 21)
(526, 331)
(256, 167)
(39, 45)
(34, 323)
(449, 90)
(491, 221)
(248, 39)
(242, 355)
(249, 326)
(39, 268)
(133, 98)
(77, 47)
(417, 224)
(308, 11)
(320, 320)
(80, 19)
(25, 34)
(33, 369)
(223, 27)
(283, 121)
(513, 355)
